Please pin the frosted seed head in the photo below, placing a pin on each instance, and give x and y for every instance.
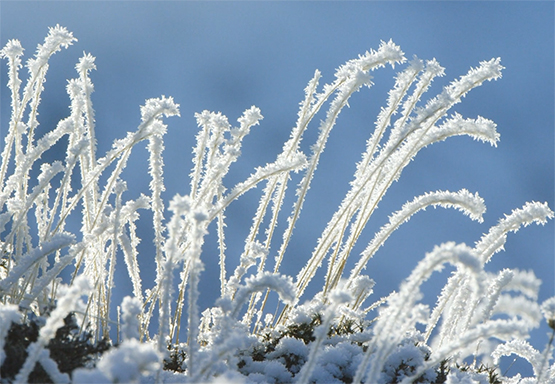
(73, 88)
(393, 51)
(155, 107)
(59, 36)
(251, 116)
(493, 68)
(434, 68)
(203, 118)
(86, 63)
(12, 50)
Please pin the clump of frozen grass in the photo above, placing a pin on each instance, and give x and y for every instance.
(330, 338)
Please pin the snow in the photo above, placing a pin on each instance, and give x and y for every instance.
(124, 364)
(459, 377)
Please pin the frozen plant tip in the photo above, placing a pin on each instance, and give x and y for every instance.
(341, 335)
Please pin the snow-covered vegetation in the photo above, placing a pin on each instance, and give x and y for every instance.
(341, 335)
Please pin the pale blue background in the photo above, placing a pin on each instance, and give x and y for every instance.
(227, 56)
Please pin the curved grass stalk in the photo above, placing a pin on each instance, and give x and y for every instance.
(493, 241)
(349, 206)
(395, 319)
(33, 256)
(502, 329)
(365, 209)
(262, 173)
(471, 205)
(350, 77)
(403, 82)
(481, 128)
(49, 276)
(277, 186)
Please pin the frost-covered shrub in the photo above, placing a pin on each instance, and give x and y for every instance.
(409, 355)
(123, 364)
(342, 334)
(71, 348)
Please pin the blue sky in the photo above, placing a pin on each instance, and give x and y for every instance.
(227, 56)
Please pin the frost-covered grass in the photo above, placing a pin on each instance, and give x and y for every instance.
(343, 334)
